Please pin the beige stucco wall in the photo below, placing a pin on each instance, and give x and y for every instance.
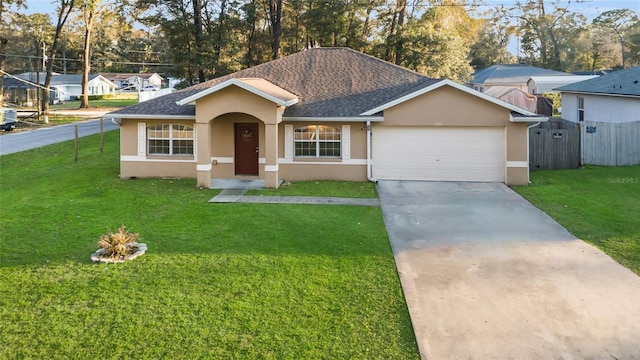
(319, 171)
(233, 99)
(151, 166)
(446, 106)
(308, 168)
(450, 107)
(146, 169)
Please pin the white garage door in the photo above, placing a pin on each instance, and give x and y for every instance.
(438, 154)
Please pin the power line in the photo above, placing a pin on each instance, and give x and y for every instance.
(92, 61)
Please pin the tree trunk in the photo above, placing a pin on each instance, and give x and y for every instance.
(624, 58)
(63, 13)
(197, 34)
(366, 31)
(275, 16)
(217, 45)
(402, 9)
(86, 59)
(251, 21)
(3, 62)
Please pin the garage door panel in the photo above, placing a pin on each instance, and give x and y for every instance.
(438, 154)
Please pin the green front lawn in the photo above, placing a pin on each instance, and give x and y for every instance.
(219, 280)
(600, 205)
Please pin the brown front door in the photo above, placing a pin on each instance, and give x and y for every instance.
(246, 144)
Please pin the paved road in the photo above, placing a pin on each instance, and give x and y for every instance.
(26, 140)
(486, 275)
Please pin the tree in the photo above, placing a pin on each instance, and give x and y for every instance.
(493, 40)
(619, 22)
(596, 51)
(634, 46)
(5, 24)
(440, 41)
(64, 9)
(95, 12)
(547, 36)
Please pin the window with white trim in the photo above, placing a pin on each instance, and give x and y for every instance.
(580, 109)
(170, 139)
(317, 141)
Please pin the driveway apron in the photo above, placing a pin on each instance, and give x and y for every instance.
(486, 275)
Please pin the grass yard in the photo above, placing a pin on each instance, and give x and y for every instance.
(600, 205)
(218, 281)
(104, 103)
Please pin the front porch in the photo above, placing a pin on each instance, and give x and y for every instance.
(237, 133)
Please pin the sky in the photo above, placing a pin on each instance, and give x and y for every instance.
(589, 8)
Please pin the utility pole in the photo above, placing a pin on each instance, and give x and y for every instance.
(44, 67)
(38, 84)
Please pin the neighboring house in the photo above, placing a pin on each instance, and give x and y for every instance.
(608, 110)
(62, 87)
(543, 84)
(613, 98)
(511, 75)
(326, 113)
(134, 81)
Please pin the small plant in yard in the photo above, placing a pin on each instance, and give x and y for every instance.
(118, 245)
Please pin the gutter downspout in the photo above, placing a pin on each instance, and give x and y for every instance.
(113, 120)
(369, 164)
(529, 128)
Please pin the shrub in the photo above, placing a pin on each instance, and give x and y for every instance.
(118, 244)
(556, 98)
(100, 97)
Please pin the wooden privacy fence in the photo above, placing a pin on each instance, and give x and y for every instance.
(554, 145)
(610, 144)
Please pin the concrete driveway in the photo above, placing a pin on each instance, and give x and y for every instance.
(486, 275)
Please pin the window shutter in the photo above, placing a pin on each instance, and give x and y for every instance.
(346, 142)
(288, 141)
(142, 139)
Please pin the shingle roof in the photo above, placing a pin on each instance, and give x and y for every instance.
(73, 79)
(621, 82)
(329, 82)
(511, 73)
(56, 80)
(124, 76)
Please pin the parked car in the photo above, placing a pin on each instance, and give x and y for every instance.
(8, 119)
(150, 88)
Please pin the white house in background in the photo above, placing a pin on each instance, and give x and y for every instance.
(511, 75)
(134, 81)
(69, 87)
(613, 98)
(543, 84)
(62, 87)
(608, 111)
